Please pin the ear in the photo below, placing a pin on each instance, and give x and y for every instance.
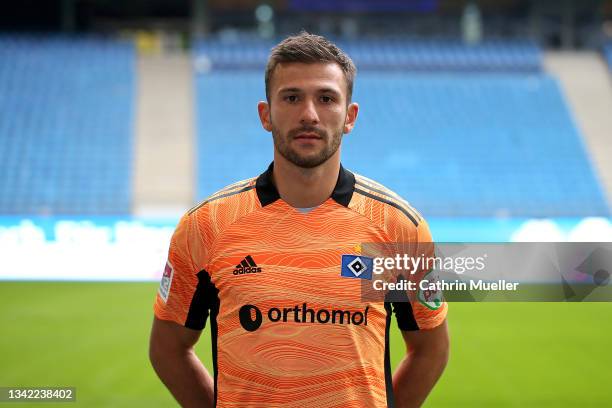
(264, 115)
(351, 117)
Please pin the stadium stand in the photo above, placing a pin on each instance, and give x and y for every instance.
(66, 128)
(475, 145)
(231, 144)
(453, 143)
(394, 54)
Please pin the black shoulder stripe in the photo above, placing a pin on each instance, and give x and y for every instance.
(407, 207)
(234, 186)
(194, 208)
(391, 203)
(242, 190)
(371, 187)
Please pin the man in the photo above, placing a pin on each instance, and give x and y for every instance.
(267, 260)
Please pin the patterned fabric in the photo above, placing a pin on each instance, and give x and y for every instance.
(288, 329)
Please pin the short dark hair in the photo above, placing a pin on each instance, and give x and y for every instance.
(310, 49)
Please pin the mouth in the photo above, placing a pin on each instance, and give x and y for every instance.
(307, 136)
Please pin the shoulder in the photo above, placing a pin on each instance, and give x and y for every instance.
(223, 208)
(387, 209)
(231, 201)
(376, 194)
(235, 194)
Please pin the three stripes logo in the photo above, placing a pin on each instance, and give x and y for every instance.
(247, 265)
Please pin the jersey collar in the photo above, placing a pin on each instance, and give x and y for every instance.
(343, 191)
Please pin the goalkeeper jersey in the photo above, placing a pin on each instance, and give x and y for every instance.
(283, 291)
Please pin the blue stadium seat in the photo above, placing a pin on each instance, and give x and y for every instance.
(453, 144)
(66, 132)
(389, 54)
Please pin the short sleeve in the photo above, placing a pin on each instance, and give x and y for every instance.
(179, 279)
(423, 309)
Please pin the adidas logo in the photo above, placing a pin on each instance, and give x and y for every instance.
(247, 265)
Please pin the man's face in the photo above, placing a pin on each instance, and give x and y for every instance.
(308, 112)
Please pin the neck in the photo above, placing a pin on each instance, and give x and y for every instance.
(304, 188)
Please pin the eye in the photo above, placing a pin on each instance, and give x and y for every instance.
(291, 98)
(326, 99)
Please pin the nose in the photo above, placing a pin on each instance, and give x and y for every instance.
(309, 114)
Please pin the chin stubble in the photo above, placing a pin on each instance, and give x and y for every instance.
(282, 146)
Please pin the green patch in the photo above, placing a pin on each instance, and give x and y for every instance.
(432, 298)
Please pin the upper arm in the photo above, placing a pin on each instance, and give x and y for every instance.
(434, 340)
(170, 336)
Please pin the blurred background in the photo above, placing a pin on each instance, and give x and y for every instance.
(493, 118)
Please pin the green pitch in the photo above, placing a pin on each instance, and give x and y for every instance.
(94, 336)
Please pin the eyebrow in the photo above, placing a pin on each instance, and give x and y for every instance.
(322, 90)
(329, 90)
(284, 90)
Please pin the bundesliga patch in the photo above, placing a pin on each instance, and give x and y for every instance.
(431, 297)
(166, 282)
(356, 266)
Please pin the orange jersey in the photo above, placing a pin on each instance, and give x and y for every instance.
(290, 328)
